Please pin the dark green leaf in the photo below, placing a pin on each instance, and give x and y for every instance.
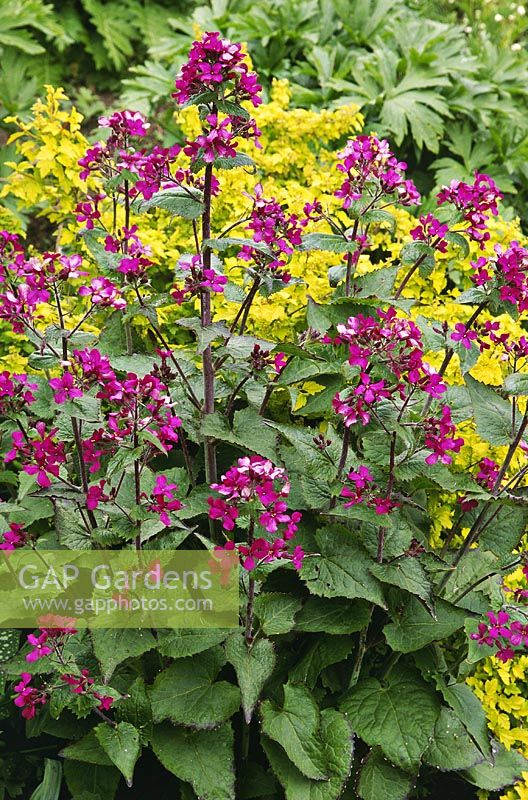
(253, 667)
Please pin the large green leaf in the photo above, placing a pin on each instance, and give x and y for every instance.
(202, 758)
(319, 654)
(188, 641)
(187, 692)
(121, 744)
(276, 612)
(99, 781)
(507, 768)
(408, 574)
(337, 615)
(87, 749)
(398, 715)
(136, 709)
(114, 645)
(381, 779)
(295, 727)
(451, 748)
(179, 202)
(342, 569)
(493, 414)
(253, 667)
(415, 627)
(336, 745)
(469, 710)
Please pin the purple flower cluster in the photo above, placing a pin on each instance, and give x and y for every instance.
(215, 62)
(198, 279)
(475, 201)
(256, 486)
(373, 170)
(502, 634)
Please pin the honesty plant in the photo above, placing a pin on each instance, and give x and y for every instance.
(122, 436)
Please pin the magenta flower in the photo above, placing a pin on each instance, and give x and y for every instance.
(13, 538)
(28, 697)
(463, 335)
(162, 499)
(40, 648)
(65, 388)
(104, 293)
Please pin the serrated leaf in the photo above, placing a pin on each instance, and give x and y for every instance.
(136, 709)
(337, 615)
(408, 574)
(202, 758)
(328, 243)
(114, 645)
(100, 781)
(517, 384)
(470, 711)
(188, 641)
(253, 667)
(415, 627)
(451, 748)
(321, 653)
(276, 612)
(342, 569)
(398, 715)
(493, 414)
(187, 692)
(177, 202)
(381, 779)
(295, 727)
(122, 746)
(87, 749)
(336, 744)
(507, 768)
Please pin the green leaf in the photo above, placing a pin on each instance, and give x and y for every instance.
(407, 574)
(459, 241)
(505, 531)
(276, 612)
(321, 653)
(253, 667)
(114, 645)
(188, 641)
(295, 727)
(381, 779)
(413, 251)
(451, 748)
(415, 627)
(87, 749)
(100, 781)
(398, 715)
(70, 532)
(336, 615)
(122, 746)
(493, 414)
(379, 283)
(327, 242)
(187, 693)
(136, 709)
(49, 788)
(469, 710)
(342, 569)
(177, 202)
(517, 384)
(507, 768)
(202, 758)
(335, 743)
